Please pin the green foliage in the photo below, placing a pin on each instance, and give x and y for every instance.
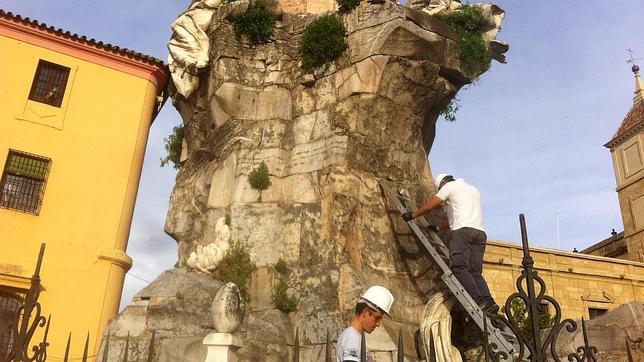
(255, 23)
(281, 267)
(469, 23)
(258, 178)
(467, 19)
(281, 299)
(237, 267)
(449, 110)
(323, 41)
(346, 6)
(173, 144)
(520, 313)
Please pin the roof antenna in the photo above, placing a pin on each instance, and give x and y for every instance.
(632, 60)
(639, 89)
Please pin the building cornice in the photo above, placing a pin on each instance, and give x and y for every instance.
(566, 253)
(612, 144)
(74, 45)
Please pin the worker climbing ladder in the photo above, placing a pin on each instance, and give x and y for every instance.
(504, 341)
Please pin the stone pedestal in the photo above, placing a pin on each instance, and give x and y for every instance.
(221, 347)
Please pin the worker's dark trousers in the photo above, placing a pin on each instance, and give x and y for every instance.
(466, 255)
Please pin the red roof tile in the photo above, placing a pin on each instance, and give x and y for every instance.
(632, 123)
(124, 52)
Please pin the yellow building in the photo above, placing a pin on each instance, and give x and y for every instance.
(74, 120)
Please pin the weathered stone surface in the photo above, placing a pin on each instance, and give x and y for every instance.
(327, 138)
(608, 333)
(176, 305)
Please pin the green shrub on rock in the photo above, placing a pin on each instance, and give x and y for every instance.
(255, 23)
(237, 267)
(449, 110)
(281, 300)
(258, 178)
(173, 144)
(469, 23)
(323, 41)
(346, 6)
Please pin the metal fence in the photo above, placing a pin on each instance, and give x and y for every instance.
(16, 335)
(533, 346)
(536, 346)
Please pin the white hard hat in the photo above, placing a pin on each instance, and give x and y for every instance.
(379, 297)
(439, 178)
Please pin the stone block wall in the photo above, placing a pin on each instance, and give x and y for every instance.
(577, 281)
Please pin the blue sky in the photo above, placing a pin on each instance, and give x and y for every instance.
(529, 133)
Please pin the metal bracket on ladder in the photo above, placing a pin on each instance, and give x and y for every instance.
(440, 253)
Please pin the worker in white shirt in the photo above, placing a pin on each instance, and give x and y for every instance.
(462, 203)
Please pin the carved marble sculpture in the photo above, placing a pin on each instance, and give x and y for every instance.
(436, 329)
(205, 258)
(189, 45)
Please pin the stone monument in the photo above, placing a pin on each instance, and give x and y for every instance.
(327, 138)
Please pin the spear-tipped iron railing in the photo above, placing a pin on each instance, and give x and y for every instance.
(533, 347)
(29, 318)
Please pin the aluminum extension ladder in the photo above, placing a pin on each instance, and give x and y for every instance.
(504, 341)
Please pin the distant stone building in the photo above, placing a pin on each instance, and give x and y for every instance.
(627, 150)
(590, 282)
(583, 285)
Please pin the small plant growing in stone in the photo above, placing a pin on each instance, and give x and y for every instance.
(469, 23)
(281, 267)
(236, 266)
(281, 299)
(255, 23)
(346, 6)
(259, 179)
(323, 41)
(173, 144)
(449, 111)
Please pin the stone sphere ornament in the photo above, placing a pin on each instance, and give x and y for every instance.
(227, 308)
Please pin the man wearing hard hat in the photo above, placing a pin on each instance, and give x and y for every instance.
(467, 246)
(370, 309)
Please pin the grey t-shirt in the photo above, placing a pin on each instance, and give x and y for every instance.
(348, 347)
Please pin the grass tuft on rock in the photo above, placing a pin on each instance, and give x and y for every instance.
(255, 23)
(324, 40)
(469, 23)
(345, 6)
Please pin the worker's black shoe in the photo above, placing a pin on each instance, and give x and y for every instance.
(488, 305)
(492, 308)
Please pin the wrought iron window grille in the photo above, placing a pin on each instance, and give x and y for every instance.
(23, 181)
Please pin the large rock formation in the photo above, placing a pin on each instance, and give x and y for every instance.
(327, 139)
